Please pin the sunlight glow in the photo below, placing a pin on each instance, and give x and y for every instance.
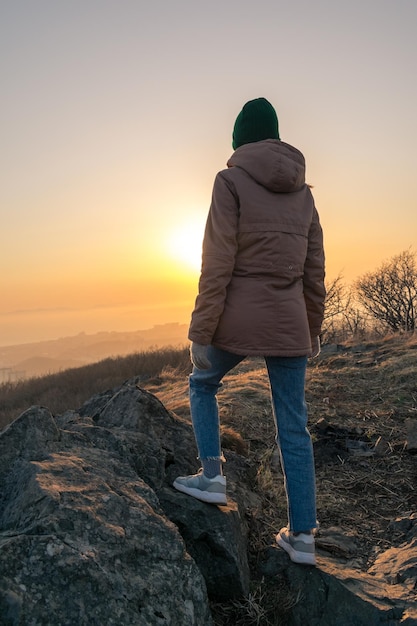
(185, 244)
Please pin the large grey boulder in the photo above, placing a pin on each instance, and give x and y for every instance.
(160, 447)
(83, 539)
(85, 529)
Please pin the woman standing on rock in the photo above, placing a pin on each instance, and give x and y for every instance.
(261, 293)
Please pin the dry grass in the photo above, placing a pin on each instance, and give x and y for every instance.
(358, 399)
(267, 604)
(359, 402)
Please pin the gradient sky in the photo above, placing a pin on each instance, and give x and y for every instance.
(117, 115)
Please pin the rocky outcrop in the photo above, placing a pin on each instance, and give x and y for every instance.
(338, 592)
(84, 538)
(92, 533)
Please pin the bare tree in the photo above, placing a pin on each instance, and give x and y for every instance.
(390, 293)
(333, 310)
(343, 317)
(336, 296)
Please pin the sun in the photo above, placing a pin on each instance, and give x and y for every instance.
(185, 244)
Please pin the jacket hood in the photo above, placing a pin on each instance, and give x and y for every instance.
(276, 165)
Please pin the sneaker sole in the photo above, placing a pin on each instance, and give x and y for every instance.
(205, 496)
(295, 556)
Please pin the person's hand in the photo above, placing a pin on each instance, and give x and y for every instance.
(315, 347)
(199, 358)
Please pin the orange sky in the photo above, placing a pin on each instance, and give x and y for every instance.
(118, 115)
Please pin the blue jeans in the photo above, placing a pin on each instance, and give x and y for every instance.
(287, 381)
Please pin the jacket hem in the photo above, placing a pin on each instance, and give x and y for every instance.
(263, 352)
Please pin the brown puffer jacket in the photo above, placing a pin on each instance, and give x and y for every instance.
(261, 289)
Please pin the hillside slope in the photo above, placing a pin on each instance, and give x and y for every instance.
(23, 361)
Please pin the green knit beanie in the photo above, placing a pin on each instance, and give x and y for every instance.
(256, 121)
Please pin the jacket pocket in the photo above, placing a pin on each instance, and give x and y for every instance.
(277, 248)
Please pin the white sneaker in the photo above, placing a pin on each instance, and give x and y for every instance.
(299, 547)
(212, 490)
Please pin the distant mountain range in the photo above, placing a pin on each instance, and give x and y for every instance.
(46, 357)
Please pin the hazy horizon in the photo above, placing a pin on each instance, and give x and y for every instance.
(67, 323)
(118, 115)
